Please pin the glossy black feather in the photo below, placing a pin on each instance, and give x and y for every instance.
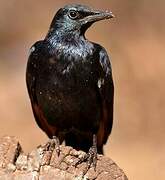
(69, 79)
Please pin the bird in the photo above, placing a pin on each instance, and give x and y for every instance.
(70, 84)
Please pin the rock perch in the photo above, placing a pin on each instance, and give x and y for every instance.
(46, 165)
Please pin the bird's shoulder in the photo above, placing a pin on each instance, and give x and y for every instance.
(103, 58)
(39, 49)
(38, 52)
(105, 81)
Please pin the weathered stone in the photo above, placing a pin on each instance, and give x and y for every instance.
(42, 164)
(34, 160)
(9, 150)
(22, 162)
(56, 174)
(10, 168)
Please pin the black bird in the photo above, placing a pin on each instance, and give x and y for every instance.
(69, 81)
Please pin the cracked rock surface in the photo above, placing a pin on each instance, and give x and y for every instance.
(41, 164)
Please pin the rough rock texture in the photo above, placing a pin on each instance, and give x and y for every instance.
(43, 164)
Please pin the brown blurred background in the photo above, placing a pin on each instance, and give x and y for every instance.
(135, 41)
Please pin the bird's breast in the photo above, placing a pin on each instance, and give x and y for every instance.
(68, 74)
(65, 87)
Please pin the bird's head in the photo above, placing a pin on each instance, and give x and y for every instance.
(76, 18)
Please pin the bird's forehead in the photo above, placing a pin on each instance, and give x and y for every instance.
(78, 7)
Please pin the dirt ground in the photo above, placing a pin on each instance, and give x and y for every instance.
(135, 42)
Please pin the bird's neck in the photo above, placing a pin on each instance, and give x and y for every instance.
(63, 43)
(64, 38)
(59, 36)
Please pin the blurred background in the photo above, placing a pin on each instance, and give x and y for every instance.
(135, 41)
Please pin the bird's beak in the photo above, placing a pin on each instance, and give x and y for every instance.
(98, 15)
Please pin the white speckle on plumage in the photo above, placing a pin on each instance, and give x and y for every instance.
(100, 82)
(52, 60)
(32, 49)
(66, 70)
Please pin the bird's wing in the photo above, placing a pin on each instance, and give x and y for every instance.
(32, 71)
(36, 55)
(106, 89)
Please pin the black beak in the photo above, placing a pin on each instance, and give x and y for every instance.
(97, 16)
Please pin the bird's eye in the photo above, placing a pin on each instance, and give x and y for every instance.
(73, 14)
